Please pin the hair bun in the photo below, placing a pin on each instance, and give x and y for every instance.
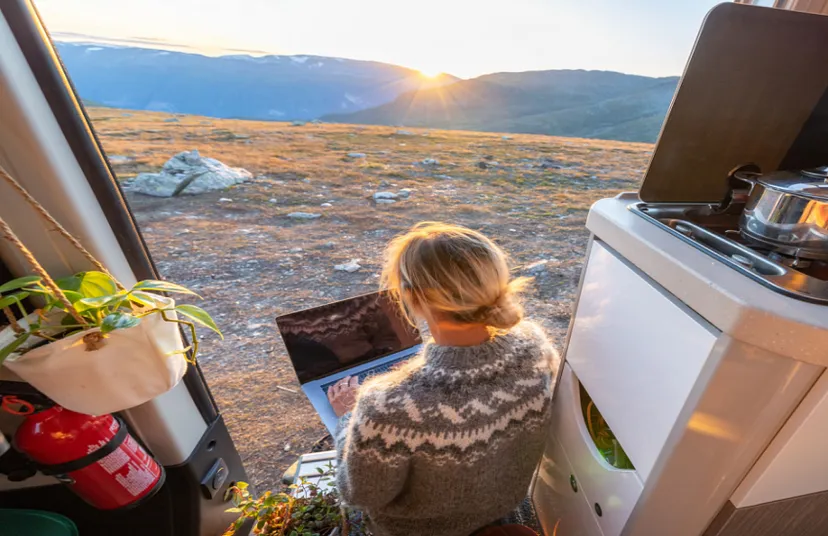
(505, 313)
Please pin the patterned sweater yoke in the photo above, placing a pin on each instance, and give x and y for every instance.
(449, 442)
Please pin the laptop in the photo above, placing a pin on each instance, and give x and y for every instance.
(362, 336)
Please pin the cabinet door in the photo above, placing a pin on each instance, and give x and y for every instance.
(563, 509)
(638, 353)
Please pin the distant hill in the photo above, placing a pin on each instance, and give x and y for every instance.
(269, 87)
(587, 104)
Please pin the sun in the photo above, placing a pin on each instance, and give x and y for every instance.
(430, 73)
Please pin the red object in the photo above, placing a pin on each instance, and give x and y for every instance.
(95, 456)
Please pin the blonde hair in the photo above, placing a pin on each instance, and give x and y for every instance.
(454, 272)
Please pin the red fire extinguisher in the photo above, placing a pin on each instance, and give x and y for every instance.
(95, 456)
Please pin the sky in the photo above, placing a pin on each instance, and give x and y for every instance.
(465, 38)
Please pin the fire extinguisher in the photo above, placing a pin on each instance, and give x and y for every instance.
(95, 456)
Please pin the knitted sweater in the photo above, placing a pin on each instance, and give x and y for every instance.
(450, 442)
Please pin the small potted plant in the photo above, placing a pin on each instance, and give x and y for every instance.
(308, 509)
(91, 344)
(95, 347)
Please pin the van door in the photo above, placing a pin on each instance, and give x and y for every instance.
(47, 143)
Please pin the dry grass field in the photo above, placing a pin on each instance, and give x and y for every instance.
(251, 262)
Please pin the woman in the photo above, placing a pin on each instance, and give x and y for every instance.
(449, 442)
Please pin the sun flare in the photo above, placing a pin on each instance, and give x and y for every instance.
(430, 73)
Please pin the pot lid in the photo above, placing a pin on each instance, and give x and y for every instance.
(817, 173)
(743, 100)
(796, 183)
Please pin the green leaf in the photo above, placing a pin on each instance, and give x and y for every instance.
(89, 284)
(11, 299)
(162, 286)
(144, 299)
(118, 321)
(199, 316)
(98, 301)
(14, 345)
(20, 282)
(233, 510)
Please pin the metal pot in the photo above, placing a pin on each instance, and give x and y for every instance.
(788, 212)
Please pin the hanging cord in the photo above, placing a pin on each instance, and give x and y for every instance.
(60, 229)
(9, 235)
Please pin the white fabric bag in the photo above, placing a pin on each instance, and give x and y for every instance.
(130, 366)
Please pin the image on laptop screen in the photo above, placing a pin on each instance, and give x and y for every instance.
(337, 336)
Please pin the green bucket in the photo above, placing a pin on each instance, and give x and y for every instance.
(35, 523)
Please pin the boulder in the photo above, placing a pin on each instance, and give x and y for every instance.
(188, 173)
(404, 133)
(357, 155)
(385, 195)
(430, 162)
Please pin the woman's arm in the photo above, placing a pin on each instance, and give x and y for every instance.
(367, 475)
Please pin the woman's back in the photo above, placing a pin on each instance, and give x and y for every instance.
(450, 443)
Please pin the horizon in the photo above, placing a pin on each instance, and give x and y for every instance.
(60, 37)
(464, 38)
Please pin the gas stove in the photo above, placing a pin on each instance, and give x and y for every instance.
(717, 234)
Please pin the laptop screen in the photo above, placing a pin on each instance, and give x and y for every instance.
(337, 336)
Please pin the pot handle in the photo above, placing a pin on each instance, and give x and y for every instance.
(748, 177)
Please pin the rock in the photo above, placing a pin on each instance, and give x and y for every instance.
(119, 159)
(225, 200)
(298, 124)
(430, 162)
(326, 205)
(171, 120)
(506, 138)
(357, 155)
(537, 268)
(444, 177)
(405, 193)
(328, 245)
(385, 201)
(385, 195)
(488, 157)
(550, 164)
(189, 173)
(405, 133)
(350, 266)
(483, 165)
(304, 216)
(273, 200)
(296, 250)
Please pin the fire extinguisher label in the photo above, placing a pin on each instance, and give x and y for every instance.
(133, 468)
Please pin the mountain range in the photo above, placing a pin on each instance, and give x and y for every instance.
(585, 104)
(282, 88)
(589, 104)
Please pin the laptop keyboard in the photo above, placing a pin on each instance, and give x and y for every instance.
(365, 374)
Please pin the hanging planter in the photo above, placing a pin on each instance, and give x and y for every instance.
(94, 347)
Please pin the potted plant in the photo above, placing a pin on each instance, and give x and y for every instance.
(307, 509)
(95, 347)
(91, 344)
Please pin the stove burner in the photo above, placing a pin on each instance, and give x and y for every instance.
(717, 234)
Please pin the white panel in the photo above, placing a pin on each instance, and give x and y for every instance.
(637, 353)
(796, 462)
(615, 490)
(561, 511)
